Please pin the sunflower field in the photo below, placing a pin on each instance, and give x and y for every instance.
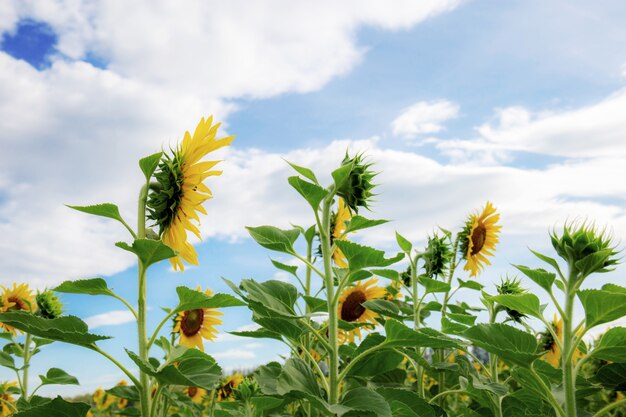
(370, 333)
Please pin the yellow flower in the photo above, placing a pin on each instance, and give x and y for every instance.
(194, 325)
(178, 199)
(7, 398)
(553, 354)
(122, 402)
(230, 384)
(195, 393)
(338, 228)
(20, 297)
(479, 239)
(102, 400)
(350, 307)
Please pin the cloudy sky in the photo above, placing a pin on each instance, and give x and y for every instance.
(457, 102)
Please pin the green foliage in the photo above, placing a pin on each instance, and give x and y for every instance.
(57, 407)
(602, 306)
(148, 251)
(361, 257)
(312, 193)
(273, 238)
(510, 344)
(58, 376)
(612, 346)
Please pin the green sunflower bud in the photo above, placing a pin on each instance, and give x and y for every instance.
(357, 189)
(49, 305)
(406, 277)
(512, 286)
(165, 195)
(585, 248)
(437, 256)
(246, 390)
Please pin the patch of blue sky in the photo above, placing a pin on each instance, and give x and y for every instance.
(32, 41)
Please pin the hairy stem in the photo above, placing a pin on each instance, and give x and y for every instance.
(141, 306)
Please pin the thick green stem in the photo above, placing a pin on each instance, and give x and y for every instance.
(27, 355)
(416, 320)
(610, 407)
(119, 365)
(141, 306)
(569, 377)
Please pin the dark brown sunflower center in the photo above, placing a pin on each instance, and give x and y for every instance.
(19, 303)
(192, 391)
(479, 235)
(351, 308)
(191, 322)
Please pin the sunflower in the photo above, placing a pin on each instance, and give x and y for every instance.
(230, 384)
(101, 400)
(478, 239)
(122, 402)
(20, 297)
(7, 398)
(178, 197)
(351, 308)
(194, 325)
(553, 354)
(338, 228)
(195, 393)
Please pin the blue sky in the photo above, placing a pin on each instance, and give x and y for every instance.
(519, 102)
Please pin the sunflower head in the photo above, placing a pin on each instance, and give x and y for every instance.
(337, 229)
(247, 389)
(351, 309)
(121, 402)
(179, 192)
(229, 385)
(7, 389)
(478, 239)
(195, 325)
(547, 342)
(585, 247)
(49, 305)
(512, 286)
(357, 189)
(437, 256)
(19, 297)
(196, 394)
(101, 400)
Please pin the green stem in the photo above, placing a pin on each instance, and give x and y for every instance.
(548, 395)
(158, 329)
(141, 305)
(609, 407)
(419, 386)
(119, 365)
(360, 356)
(27, 356)
(317, 335)
(127, 304)
(441, 394)
(155, 401)
(569, 377)
(309, 265)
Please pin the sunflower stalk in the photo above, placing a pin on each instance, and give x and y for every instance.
(27, 356)
(569, 377)
(144, 390)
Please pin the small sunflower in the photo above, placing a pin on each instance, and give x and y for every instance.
(196, 394)
(479, 238)
(122, 402)
(7, 398)
(351, 308)
(178, 197)
(198, 324)
(338, 227)
(20, 297)
(553, 355)
(230, 384)
(101, 400)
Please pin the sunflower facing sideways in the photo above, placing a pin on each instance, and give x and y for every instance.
(228, 386)
(479, 238)
(351, 308)
(177, 198)
(6, 394)
(553, 354)
(20, 297)
(196, 394)
(198, 324)
(338, 228)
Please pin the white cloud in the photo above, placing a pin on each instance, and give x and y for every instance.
(110, 318)
(234, 354)
(624, 69)
(424, 117)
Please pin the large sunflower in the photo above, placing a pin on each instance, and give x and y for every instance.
(7, 398)
(198, 324)
(338, 228)
(195, 393)
(229, 385)
(351, 308)
(178, 198)
(479, 238)
(20, 297)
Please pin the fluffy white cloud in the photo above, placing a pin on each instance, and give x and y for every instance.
(110, 318)
(234, 354)
(424, 117)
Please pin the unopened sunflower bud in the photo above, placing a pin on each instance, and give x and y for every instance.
(437, 256)
(512, 286)
(49, 305)
(357, 189)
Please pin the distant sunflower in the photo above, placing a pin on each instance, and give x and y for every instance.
(7, 398)
(553, 354)
(20, 297)
(338, 228)
(195, 393)
(229, 385)
(351, 308)
(122, 402)
(180, 193)
(101, 400)
(479, 238)
(195, 325)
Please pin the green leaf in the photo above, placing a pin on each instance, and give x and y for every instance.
(312, 193)
(376, 363)
(259, 334)
(93, 286)
(548, 260)
(267, 377)
(148, 251)
(602, 306)
(271, 297)
(287, 327)
(542, 277)
(7, 360)
(127, 392)
(612, 376)
(614, 288)
(107, 210)
(189, 299)
(510, 344)
(149, 164)
(273, 238)
(55, 408)
(315, 304)
(391, 274)
(360, 257)
(473, 285)
(188, 367)
(433, 286)
(467, 319)
(450, 327)
(418, 406)
(292, 269)
(384, 307)
(524, 303)
(296, 376)
(404, 244)
(59, 377)
(68, 329)
(612, 346)
(359, 222)
(265, 402)
(305, 172)
(397, 334)
(363, 401)
(341, 175)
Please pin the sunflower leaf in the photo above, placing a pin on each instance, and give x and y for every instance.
(92, 286)
(360, 257)
(405, 403)
(550, 261)
(472, 285)
(59, 377)
(107, 210)
(148, 251)
(270, 298)
(404, 243)
(432, 285)
(384, 307)
(258, 334)
(305, 172)
(612, 346)
(359, 222)
(602, 306)
(612, 376)
(68, 329)
(312, 193)
(292, 269)
(315, 305)
(542, 277)
(513, 346)
(126, 392)
(297, 378)
(149, 164)
(273, 238)
(363, 402)
(523, 303)
(57, 407)
(398, 334)
(189, 299)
